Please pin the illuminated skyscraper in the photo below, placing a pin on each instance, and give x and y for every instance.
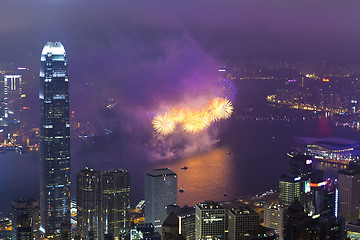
(115, 202)
(88, 192)
(12, 107)
(103, 203)
(12, 99)
(54, 139)
(274, 218)
(160, 191)
(290, 189)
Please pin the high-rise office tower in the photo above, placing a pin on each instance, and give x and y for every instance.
(115, 202)
(88, 193)
(12, 99)
(349, 193)
(25, 218)
(242, 220)
(209, 221)
(160, 191)
(296, 183)
(290, 189)
(103, 203)
(274, 218)
(54, 139)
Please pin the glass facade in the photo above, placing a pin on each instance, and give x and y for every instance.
(54, 139)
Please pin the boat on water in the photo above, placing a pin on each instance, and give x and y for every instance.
(181, 190)
(184, 168)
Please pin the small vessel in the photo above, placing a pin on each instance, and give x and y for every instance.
(225, 194)
(181, 190)
(184, 168)
(229, 153)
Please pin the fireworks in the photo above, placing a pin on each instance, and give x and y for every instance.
(163, 124)
(193, 121)
(177, 115)
(196, 121)
(220, 108)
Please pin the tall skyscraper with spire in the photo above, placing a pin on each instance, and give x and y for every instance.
(54, 140)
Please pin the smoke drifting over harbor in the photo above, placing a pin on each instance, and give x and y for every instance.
(143, 57)
(141, 85)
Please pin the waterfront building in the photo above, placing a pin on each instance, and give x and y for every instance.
(209, 221)
(54, 140)
(160, 191)
(115, 202)
(25, 217)
(88, 193)
(274, 218)
(333, 150)
(242, 221)
(349, 193)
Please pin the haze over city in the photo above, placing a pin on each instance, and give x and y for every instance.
(282, 70)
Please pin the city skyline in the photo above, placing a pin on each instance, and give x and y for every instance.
(129, 62)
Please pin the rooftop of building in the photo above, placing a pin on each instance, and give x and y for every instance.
(160, 172)
(273, 206)
(55, 48)
(243, 210)
(171, 220)
(88, 170)
(289, 179)
(209, 205)
(119, 170)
